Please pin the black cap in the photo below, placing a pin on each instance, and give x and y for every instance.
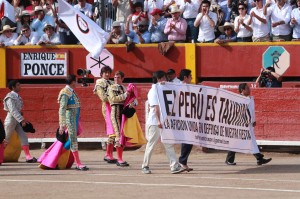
(171, 71)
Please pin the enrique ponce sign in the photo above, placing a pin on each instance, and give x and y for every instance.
(44, 64)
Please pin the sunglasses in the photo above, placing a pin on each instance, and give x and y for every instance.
(227, 29)
(256, 0)
(26, 30)
(242, 8)
(142, 26)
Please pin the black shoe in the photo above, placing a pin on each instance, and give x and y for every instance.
(84, 168)
(263, 161)
(33, 160)
(110, 161)
(122, 164)
(230, 163)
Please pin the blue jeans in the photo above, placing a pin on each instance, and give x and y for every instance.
(191, 31)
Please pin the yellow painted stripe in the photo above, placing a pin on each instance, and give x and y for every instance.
(2, 68)
(190, 60)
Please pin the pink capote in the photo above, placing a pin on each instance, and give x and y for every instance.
(109, 126)
(131, 88)
(51, 156)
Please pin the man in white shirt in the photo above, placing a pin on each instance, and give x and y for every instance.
(190, 10)
(7, 36)
(295, 22)
(50, 37)
(26, 37)
(154, 127)
(85, 8)
(259, 23)
(206, 21)
(280, 14)
(171, 76)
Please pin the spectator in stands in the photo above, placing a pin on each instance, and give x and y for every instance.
(50, 7)
(41, 20)
(50, 37)
(225, 6)
(85, 8)
(269, 78)
(117, 35)
(280, 14)
(176, 26)
(228, 34)
(167, 7)
(141, 35)
(124, 8)
(138, 14)
(150, 5)
(17, 9)
(244, 90)
(31, 8)
(27, 37)
(157, 26)
(107, 17)
(171, 76)
(259, 23)
(66, 36)
(295, 22)
(24, 20)
(7, 36)
(206, 20)
(241, 24)
(190, 10)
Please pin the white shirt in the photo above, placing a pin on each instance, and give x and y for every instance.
(8, 41)
(259, 28)
(87, 9)
(190, 10)
(33, 39)
(278, 15)
(243, 32)
(296, 28)
(152, 101)
(176, 80)
(150, 5)
(54, 39)
(206, 32)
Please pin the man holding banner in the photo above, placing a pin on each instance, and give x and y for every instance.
(244, 90)
(206, 116)
(185, 77)
(154, 127)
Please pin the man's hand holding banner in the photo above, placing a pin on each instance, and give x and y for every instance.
(207, 116)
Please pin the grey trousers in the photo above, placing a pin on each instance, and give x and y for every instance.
(11, 125)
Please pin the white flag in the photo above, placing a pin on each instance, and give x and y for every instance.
(91, 36)
(6, 9)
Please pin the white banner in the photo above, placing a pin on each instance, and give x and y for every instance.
(44, 64)
(91, 36)
(207, 116)
(6, 9)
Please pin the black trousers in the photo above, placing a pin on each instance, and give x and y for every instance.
(185, 152)
(231, 156)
